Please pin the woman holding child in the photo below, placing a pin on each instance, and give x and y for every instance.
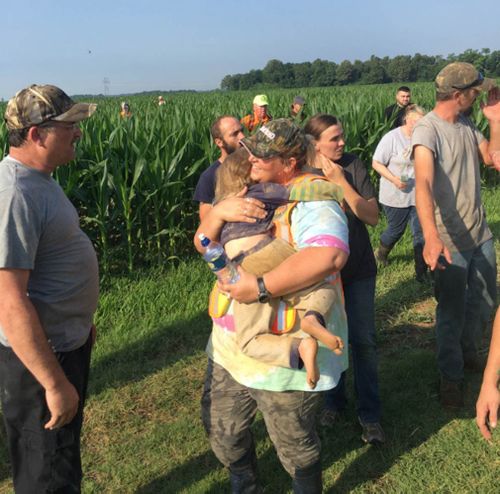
(237, 385)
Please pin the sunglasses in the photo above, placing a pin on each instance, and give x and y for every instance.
(478, 81)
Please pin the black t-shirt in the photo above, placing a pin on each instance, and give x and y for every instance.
(395, 111)
(205, 188)
(361, 262)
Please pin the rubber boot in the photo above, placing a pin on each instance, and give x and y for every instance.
(420, 265)
(308, 480)
(243, 475)
(382, 252)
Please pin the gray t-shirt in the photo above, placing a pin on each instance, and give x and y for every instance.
(459, 213)
(394, 151)
(40, 232)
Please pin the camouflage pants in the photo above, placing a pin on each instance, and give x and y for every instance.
(229, 408)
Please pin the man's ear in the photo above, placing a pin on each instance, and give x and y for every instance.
(35, 135)
(291, 163)
(219, 142)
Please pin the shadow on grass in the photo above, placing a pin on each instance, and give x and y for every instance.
(163, 347)
(200, 468)
(412, 415)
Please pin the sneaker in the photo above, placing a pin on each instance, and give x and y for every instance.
(451, 394)
(372, 433)
(328, 417)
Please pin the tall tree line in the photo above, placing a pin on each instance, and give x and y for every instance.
(401, 68)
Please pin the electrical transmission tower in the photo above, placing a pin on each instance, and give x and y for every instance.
(106, 83)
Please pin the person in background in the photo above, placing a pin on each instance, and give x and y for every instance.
(459, 245)
(396, 111)
(358, 275)
(227, 133)
(392, 161)
(125, 110)
(488, 401)
(259, 115)
(49, 283)
(161, 101)
(297, 109)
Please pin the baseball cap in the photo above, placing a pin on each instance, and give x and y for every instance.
(261, 100)
(274, 138)
(460, 76)
(37, 104)
(299, 100)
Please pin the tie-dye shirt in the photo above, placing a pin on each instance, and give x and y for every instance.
(313, 224)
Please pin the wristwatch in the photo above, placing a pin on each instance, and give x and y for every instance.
(264, 294)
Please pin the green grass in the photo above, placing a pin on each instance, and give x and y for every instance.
(143, 433)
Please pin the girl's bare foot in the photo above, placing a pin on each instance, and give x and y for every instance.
(311, 326)
(308, 349)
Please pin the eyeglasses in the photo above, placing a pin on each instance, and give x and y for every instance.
(62, 125)
(245, 147)
(479, 80)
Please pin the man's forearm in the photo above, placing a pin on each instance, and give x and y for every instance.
(24, 332)
(425, 209)
(304, 268)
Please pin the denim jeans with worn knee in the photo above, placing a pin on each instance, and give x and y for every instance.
(466, 295)
(397, 219)
(360, 310)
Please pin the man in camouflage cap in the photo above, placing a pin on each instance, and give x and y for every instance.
(458, 242)
(49, 285)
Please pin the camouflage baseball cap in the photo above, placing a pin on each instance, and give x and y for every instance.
(274, 138)
(460, 76)
(37, 104)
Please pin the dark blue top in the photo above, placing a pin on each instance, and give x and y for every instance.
(205, 188)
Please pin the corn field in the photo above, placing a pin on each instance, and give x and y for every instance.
(133, 179)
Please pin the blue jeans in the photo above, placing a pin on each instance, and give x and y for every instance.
(397, 219)
(466, 295)
(360, 311)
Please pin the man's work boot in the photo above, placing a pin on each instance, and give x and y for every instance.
(308, 480)
(420, 265)
(382, 252)
(243, 475)
(372, 432)
(451, 394)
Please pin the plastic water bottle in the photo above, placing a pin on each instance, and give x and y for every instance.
(217, 260)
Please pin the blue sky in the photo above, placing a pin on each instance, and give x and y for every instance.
(193, 44)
